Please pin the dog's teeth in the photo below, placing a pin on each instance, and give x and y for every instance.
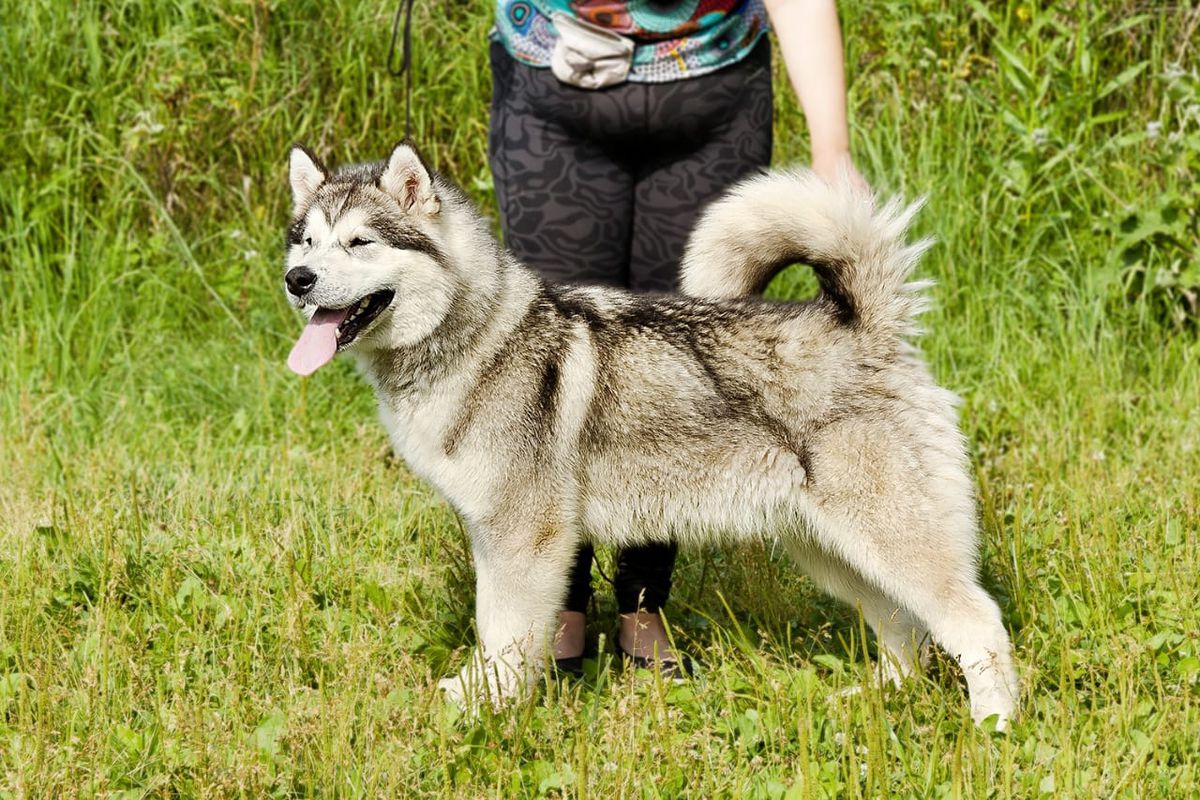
(363, 305)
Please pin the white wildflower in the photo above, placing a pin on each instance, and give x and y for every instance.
(145, 122)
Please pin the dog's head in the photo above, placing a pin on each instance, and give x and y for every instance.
(364, 258)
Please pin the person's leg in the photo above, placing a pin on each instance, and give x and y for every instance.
(711, 131)
(566, 210)
(705, 134)
(642, 584)
(570, 640)
(566, 205)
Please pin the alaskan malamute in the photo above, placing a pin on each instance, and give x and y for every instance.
(548, 414)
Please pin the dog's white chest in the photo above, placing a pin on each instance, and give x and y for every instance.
(418, 434)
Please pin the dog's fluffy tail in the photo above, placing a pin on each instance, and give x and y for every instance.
(858, 251)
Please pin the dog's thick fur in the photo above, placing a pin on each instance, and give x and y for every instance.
(548, 415)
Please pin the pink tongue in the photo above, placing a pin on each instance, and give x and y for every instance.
(316, 346)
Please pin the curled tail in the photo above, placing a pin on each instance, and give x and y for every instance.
(857, 251)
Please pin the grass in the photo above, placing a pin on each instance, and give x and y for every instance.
(215, 581)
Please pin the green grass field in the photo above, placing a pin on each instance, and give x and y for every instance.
(215, 580)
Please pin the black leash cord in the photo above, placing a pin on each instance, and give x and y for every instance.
(405, 66)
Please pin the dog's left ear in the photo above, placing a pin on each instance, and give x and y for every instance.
(407, 179)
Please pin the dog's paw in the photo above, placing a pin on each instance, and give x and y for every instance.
(993, 711)
(452, 689)
(886, 674)
(484, 682)
(995, 691)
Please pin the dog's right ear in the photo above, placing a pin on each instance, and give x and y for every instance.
(306, 174)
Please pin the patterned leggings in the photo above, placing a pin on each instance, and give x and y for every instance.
(603, 187)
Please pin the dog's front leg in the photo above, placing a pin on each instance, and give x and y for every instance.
(520, 582)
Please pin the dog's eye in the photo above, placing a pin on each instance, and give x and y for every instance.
(359, 242)
(308, 241)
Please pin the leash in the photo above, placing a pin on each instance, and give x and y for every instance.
(404, 68)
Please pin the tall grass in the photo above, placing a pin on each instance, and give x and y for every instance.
(214, 581)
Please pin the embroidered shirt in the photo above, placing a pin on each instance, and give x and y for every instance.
(673, 39)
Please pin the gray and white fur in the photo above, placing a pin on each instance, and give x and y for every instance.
(547, 415)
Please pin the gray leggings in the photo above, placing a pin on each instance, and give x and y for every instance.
(603, 187)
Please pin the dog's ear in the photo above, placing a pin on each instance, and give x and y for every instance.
(306, 174)
(407, 179)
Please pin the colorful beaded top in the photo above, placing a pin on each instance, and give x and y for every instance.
(673, 39)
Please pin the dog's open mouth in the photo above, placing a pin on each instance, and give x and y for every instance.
(333, 329)
(359, 316)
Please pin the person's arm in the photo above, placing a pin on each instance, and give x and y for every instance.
(810, 39)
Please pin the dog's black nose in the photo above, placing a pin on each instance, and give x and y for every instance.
(299, 280)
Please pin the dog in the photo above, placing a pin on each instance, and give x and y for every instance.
(550, 415)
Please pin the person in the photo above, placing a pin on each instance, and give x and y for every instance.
(612, 125)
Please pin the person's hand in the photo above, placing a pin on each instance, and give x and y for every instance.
(834, 168)
(810, 38)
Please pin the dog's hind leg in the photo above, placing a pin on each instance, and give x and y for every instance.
(902, 641)
(942, 594)
(965, 621)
